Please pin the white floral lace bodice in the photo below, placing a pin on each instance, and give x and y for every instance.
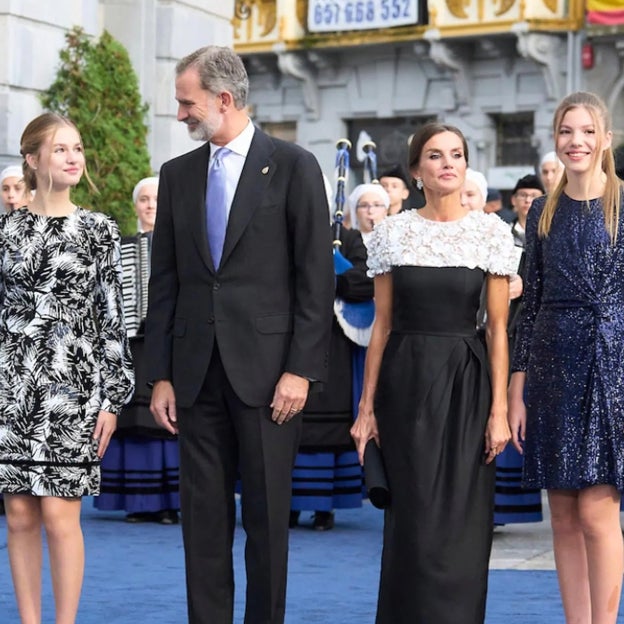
(476, 240)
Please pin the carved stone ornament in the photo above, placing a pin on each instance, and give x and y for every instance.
(545, 50)
(443, 55)
(297, 66)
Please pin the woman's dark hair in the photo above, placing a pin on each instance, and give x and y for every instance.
(424, 133)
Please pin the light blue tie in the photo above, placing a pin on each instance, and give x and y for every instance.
(216, 205)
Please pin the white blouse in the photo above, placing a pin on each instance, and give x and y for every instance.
(409, 239)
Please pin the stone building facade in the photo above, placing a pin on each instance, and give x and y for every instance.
(494, 68)
(156, 34)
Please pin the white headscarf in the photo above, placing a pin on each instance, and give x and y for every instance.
(12, 171)
(358, 191)
(550, 157)
(479, 179)
(140, 184)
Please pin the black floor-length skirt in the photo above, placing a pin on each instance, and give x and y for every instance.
(432, 406)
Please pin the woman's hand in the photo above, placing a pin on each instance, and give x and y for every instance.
(516, 286)
(497, 434)
(364, 429)
(517, 410)
(104, 429)
(517, 422)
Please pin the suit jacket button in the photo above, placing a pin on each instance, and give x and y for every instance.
(211, 319)
(216, 286)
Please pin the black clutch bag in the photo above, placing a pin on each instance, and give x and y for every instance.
(375, 476)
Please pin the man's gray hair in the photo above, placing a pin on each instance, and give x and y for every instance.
(220, 69)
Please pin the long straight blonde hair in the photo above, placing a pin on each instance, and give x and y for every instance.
(612, 196)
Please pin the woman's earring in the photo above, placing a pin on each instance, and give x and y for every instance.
(419, 184)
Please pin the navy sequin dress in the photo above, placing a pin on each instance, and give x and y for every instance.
(570, 342)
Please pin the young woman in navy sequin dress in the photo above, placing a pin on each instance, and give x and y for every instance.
(567, 389)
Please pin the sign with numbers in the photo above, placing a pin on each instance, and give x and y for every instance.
(341, 15)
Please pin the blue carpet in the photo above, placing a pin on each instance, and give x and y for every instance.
(135, 573)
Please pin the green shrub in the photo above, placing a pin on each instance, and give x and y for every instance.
(96, 87)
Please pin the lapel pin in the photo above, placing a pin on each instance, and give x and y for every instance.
(265, 170)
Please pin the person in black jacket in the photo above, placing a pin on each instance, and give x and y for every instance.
(237, 330)
(327, 473)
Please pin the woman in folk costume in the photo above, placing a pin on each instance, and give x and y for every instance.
(327, 472)
(368, 206)
(512, 502)
(13, 189)
(140, 472)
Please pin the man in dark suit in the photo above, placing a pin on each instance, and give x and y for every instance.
(237, 330)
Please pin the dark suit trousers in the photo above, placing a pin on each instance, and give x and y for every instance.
(221, 437)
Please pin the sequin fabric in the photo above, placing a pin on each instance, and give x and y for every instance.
(570, 342)
(477, 240)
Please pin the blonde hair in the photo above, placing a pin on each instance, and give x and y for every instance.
(612, 196)
(35, 135)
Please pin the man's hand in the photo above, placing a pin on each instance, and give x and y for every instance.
(291, 393)
(163, 406)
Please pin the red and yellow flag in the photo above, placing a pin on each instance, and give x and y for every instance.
(609, 12)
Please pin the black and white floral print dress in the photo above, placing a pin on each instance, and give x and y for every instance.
(64, 353)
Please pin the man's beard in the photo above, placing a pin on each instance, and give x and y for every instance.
(204, 130)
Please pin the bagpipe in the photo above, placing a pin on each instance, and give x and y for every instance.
(355, 319)
(366, 153)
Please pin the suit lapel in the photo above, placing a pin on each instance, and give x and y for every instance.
(196, 192)
(257, 172)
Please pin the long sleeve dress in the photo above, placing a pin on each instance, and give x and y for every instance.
(570, 343)
(64, 353)
(432, 405)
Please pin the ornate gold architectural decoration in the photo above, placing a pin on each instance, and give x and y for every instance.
(456, 7)
(302, 13)
(242, 12)
(505, 5)
(551, 4)
(261, 24)
(242, 9)
(266, 15)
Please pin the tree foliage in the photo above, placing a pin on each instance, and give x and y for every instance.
(97, 88)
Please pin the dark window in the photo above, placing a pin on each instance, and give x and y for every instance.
(284, 130)
(391, 137)
(514, 144)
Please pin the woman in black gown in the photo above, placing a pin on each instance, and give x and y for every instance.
(431, 398)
